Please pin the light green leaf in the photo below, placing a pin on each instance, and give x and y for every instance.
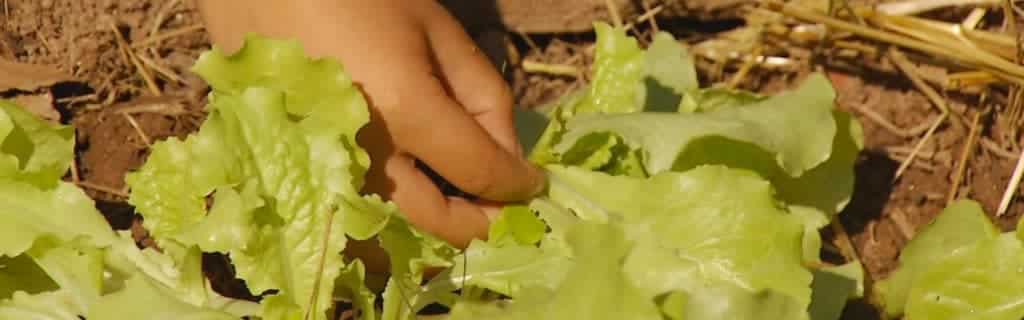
(75, 266)
(32, 150)
(958, 227)
(351, 285)
(64, 212)
(21, 273)
(410, 252)
(828, 187)
(833, 287)
(796, 127)
(724, 301)
(312, 87)
(852, 270)
(517, 224)
(670, 73)
(556, 217)
(713, 99)
(670, 64)
(509, 269)
(594, 288)
(35, 203)
(711, 223)
(618, 71)
(983, 281)
(51, 305)
(562, 109)
(144, 299)
(177, 268)
(228, 222)
(279, 149)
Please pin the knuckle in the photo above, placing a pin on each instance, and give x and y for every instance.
(495, 96)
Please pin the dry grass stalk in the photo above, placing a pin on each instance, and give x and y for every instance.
(1007, 7)
(906, 229)
(974, 18)
(913, 74)
(997, 150)
(994, 46)
(649, 15)
(909, 7)
(613, 10)
(920, 144)
(46, 43)
(161, 70)
(552, 69)
(939, 156)
(167, 35)
(912, 7)
(964, 157)
(124, 49)
(748, 64)
(1011, 189)
(844, 243)
(77, 99)
(138, 129)
(953, 51)
(161, 16)
(966, 79)
(105, 189)
(862, 47)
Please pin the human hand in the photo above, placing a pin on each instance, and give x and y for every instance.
(433, 95)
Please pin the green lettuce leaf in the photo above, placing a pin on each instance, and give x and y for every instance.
(410, 253)
(979, 282)
(49, 305)
(143, 298)
(352, 286)
(598, 251)
(671, 74)
(33, 156)
(796, 140)
(33, 150)
(958, 227)
(618, 69)
(508, 270)
(75, 266)
(517, 224)
(712, 99)
(21, 273)
(711, 223)
(671, 65)
(28, 213)
(282, 168)
(806, 141)
(724, 301)
(833, 287)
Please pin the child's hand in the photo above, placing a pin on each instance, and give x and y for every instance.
(433, 94)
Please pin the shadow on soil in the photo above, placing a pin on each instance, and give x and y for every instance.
(874, 174)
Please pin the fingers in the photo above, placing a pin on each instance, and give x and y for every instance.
(454, 220)
(434, 129)
(474, 81)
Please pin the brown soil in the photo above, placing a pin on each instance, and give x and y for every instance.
(79, 39)
(109, 92)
